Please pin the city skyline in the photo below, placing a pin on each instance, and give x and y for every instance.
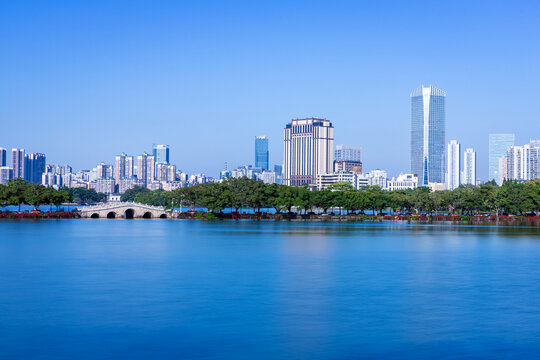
(190, 75)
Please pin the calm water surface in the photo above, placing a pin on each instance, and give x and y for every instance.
(100, 289)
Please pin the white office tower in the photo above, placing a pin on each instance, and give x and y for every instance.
(453, 165)
(502, 172)
(533, 159)
(469, 167)
(308, 150)
(17, 163)
(516, 163)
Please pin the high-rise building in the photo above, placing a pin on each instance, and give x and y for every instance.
(141, 167)
(308, 150)
(348, 153)
(428, 134)
(516, 163)
(161, 154)
(35, 167)
(261, 152)
(498, 146)
(146, 168)
(502, 170)
(120, 168)
(165, 172)
(533, 159)
(129, 167)
(348, 159)
(469, 167)
(453, 165)
(18, 163)
(104, 171)
(150, 169)
(3, 157)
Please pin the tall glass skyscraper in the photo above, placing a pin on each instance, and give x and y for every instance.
(3, 154)
(428, 133)
(498, 146)
(161, 154)
(261, 152)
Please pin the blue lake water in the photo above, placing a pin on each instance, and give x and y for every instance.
(180, 289)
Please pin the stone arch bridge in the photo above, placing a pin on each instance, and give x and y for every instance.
(125, 210)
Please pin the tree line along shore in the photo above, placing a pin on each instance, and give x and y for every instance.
(511, 198)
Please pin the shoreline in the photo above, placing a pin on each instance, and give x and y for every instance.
(492, 220)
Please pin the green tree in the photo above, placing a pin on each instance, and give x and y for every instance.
(130, 194)
(16, 192)
(35, 195)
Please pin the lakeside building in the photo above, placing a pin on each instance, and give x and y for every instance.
(35, 167)
(105, 186)
(197, 179)
(498, 146)
(267, 177)
(6, 173)
(522, 162)
(377, 178)
(347, 159)
(469, 167)
(357, 181)
(403, 182)
(308, 150)
(262, 157)
(453, 165)
(348, 166)
(437, 187)
(129, 183)
(172, 185)
(3, 157)
(161, 153)
(428, 134)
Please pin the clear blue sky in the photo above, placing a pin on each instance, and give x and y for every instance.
(83, 82)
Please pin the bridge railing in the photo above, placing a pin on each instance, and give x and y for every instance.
(116, 205)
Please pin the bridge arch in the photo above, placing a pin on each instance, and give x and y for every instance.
(129, 213)
(94, 216)
(163, 216)
(147, 215)
(111, 215)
